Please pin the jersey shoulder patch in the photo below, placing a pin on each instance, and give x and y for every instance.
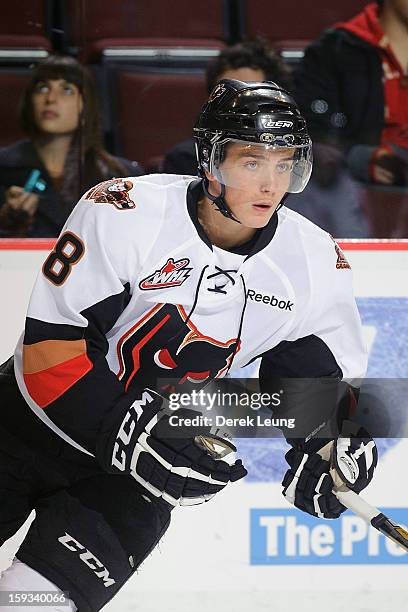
(341, 263)
(115, 192)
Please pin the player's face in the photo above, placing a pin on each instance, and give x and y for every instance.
(57, 105)
(256, 178)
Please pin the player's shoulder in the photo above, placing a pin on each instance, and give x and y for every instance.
(132, 202)
(141, 194)
(165, 181)
(295, 223)
(318, 245)
(131, 210)
(171, 186)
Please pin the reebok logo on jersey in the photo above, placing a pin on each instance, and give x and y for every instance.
(270, 299)
(172, 274)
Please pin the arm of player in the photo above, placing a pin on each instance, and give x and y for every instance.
(323, 438)
(61, 366)
(312, 369)
(324, 358)
(78, 296)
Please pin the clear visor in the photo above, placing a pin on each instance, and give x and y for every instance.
(276, 167)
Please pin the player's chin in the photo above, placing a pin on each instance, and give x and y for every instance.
(257, 221)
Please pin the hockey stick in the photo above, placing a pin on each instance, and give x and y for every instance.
(220, 448)
(372, 516)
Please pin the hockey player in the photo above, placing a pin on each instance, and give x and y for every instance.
(194, 276)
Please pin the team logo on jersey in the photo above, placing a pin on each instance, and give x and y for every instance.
(165, 349)
(115, 191)
(172, 274)
(341, 263)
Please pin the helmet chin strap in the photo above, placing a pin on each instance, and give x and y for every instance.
(219, 201)
(282, 202)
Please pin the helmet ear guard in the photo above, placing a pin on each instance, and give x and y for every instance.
(206, 167)
(203, 149)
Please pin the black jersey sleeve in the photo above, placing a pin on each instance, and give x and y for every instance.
(314, 393)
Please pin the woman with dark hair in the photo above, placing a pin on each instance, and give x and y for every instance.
(42, 177)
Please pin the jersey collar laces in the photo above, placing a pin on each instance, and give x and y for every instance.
(219, 289)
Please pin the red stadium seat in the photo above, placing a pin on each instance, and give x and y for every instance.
(13, 84)
(296, 20)
(96, 25)
(23, 25)
(155, 111)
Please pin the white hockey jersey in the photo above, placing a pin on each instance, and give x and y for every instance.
(134, 292)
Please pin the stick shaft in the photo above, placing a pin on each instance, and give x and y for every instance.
(372, 516)
(357, 504)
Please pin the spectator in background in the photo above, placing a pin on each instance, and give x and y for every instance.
(60, 115)
(353, 88)
(249, 61)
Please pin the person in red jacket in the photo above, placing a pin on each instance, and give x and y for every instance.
(353, 89)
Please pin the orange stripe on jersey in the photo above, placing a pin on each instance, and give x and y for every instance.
(49, 353)
(49, 384)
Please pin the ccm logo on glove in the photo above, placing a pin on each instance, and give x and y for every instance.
(126, 431)
(174, 468)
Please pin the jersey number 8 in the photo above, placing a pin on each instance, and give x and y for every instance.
(67, 252)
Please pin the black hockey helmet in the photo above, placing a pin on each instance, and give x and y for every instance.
(260, 113)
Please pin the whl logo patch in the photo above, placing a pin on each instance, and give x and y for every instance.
(172, 274)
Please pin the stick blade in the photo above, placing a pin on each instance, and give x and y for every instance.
(391, 530)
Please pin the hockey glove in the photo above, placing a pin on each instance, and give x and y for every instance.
(169, 464)
(308, 484)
